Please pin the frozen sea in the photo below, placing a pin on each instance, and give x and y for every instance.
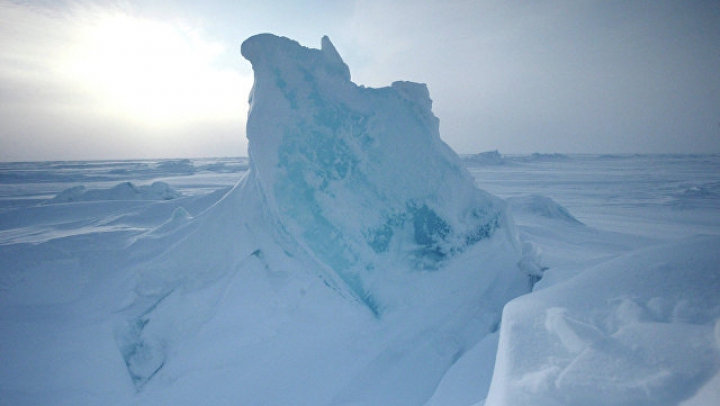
(63, 224)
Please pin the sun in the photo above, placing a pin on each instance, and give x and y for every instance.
(159, 73)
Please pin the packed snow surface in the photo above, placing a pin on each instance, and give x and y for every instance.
(352, 260)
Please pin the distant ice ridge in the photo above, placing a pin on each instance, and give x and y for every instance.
(122, 191)
(494, 157)
(357, 241)
(486, 158)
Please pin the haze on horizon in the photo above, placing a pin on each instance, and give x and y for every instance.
(123, 80)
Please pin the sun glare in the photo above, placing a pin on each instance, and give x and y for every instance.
(159, 73)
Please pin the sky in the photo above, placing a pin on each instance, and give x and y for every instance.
(132, 79)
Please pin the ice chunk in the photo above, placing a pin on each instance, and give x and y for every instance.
(176, 166)
(485, 158)
(637, 330)
(359, 176)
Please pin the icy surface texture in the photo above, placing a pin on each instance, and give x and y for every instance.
(359, 176)
(638, 330)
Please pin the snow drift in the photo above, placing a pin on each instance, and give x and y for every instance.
(354, 263)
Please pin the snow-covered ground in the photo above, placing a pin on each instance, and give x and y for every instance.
(355, 259)
(60, 289)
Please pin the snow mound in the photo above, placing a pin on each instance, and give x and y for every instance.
(356, 247)
(122, 191)
(541, 206)
(637, 330)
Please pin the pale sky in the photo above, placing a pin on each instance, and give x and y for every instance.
(134, 79)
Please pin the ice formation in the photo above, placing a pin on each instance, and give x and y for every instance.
(486, 158)
(351, 194)
(340, 168)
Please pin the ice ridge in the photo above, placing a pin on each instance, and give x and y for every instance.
(350, 194)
